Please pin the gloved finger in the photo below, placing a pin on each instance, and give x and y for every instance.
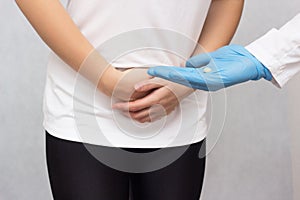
(148, 85)
(174, 74)
(165, 72)
(195, 78)
(207, 83)
(198, 60)
(161, 71)
(188, 77)
(180, 75)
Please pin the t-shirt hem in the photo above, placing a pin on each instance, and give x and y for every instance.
(56, 133)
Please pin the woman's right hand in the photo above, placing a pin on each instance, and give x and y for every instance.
(164, 98)
(120, 84)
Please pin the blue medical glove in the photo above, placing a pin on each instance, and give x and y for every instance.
(222, 68)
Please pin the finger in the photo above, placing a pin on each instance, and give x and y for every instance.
(175, 74)
(206, 81)
(148, 85)
(160, 70)
(157, 111)
(137, 104)
(139, 114)
(154, 113)
(144, 116)
(144, 120)
(193, 80)
(149, 118)
(198, 60)
(123, 106)
(165, 72)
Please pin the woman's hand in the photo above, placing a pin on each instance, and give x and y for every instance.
(120, 84)
(163, 99)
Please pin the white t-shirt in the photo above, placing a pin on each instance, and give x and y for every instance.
(131, 33)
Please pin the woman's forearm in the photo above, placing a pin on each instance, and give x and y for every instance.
(54, 25)
(220, 24)
(56, 28)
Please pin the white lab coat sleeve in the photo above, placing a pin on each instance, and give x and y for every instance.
(279, 51)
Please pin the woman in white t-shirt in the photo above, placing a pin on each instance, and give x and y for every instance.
(104, 140)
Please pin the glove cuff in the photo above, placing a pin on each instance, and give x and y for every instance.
(262, 71)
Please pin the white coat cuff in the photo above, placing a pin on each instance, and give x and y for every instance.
(278, 50)
(269, 53)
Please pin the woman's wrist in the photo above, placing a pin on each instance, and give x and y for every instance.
(109, 80)
(181, 91)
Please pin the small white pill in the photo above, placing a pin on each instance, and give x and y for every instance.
(207, 70)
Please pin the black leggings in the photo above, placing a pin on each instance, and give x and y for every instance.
(75, 174)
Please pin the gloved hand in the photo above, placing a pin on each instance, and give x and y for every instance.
(224, 67)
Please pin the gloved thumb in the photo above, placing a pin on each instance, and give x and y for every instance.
(198, 60)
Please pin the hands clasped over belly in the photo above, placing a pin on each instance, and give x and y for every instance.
(144, 98)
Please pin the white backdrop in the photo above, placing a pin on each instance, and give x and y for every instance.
(255, 158)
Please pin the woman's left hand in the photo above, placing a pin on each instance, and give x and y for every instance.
(163, 99)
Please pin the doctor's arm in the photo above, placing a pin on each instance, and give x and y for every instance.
(279, 51)
(274, 57)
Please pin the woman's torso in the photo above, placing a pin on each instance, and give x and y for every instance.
(130, 33)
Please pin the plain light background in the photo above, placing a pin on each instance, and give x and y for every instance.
(256, 158)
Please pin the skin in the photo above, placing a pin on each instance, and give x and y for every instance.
(60, 33)
(220, 25)
(54, 25)
(164, 98)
